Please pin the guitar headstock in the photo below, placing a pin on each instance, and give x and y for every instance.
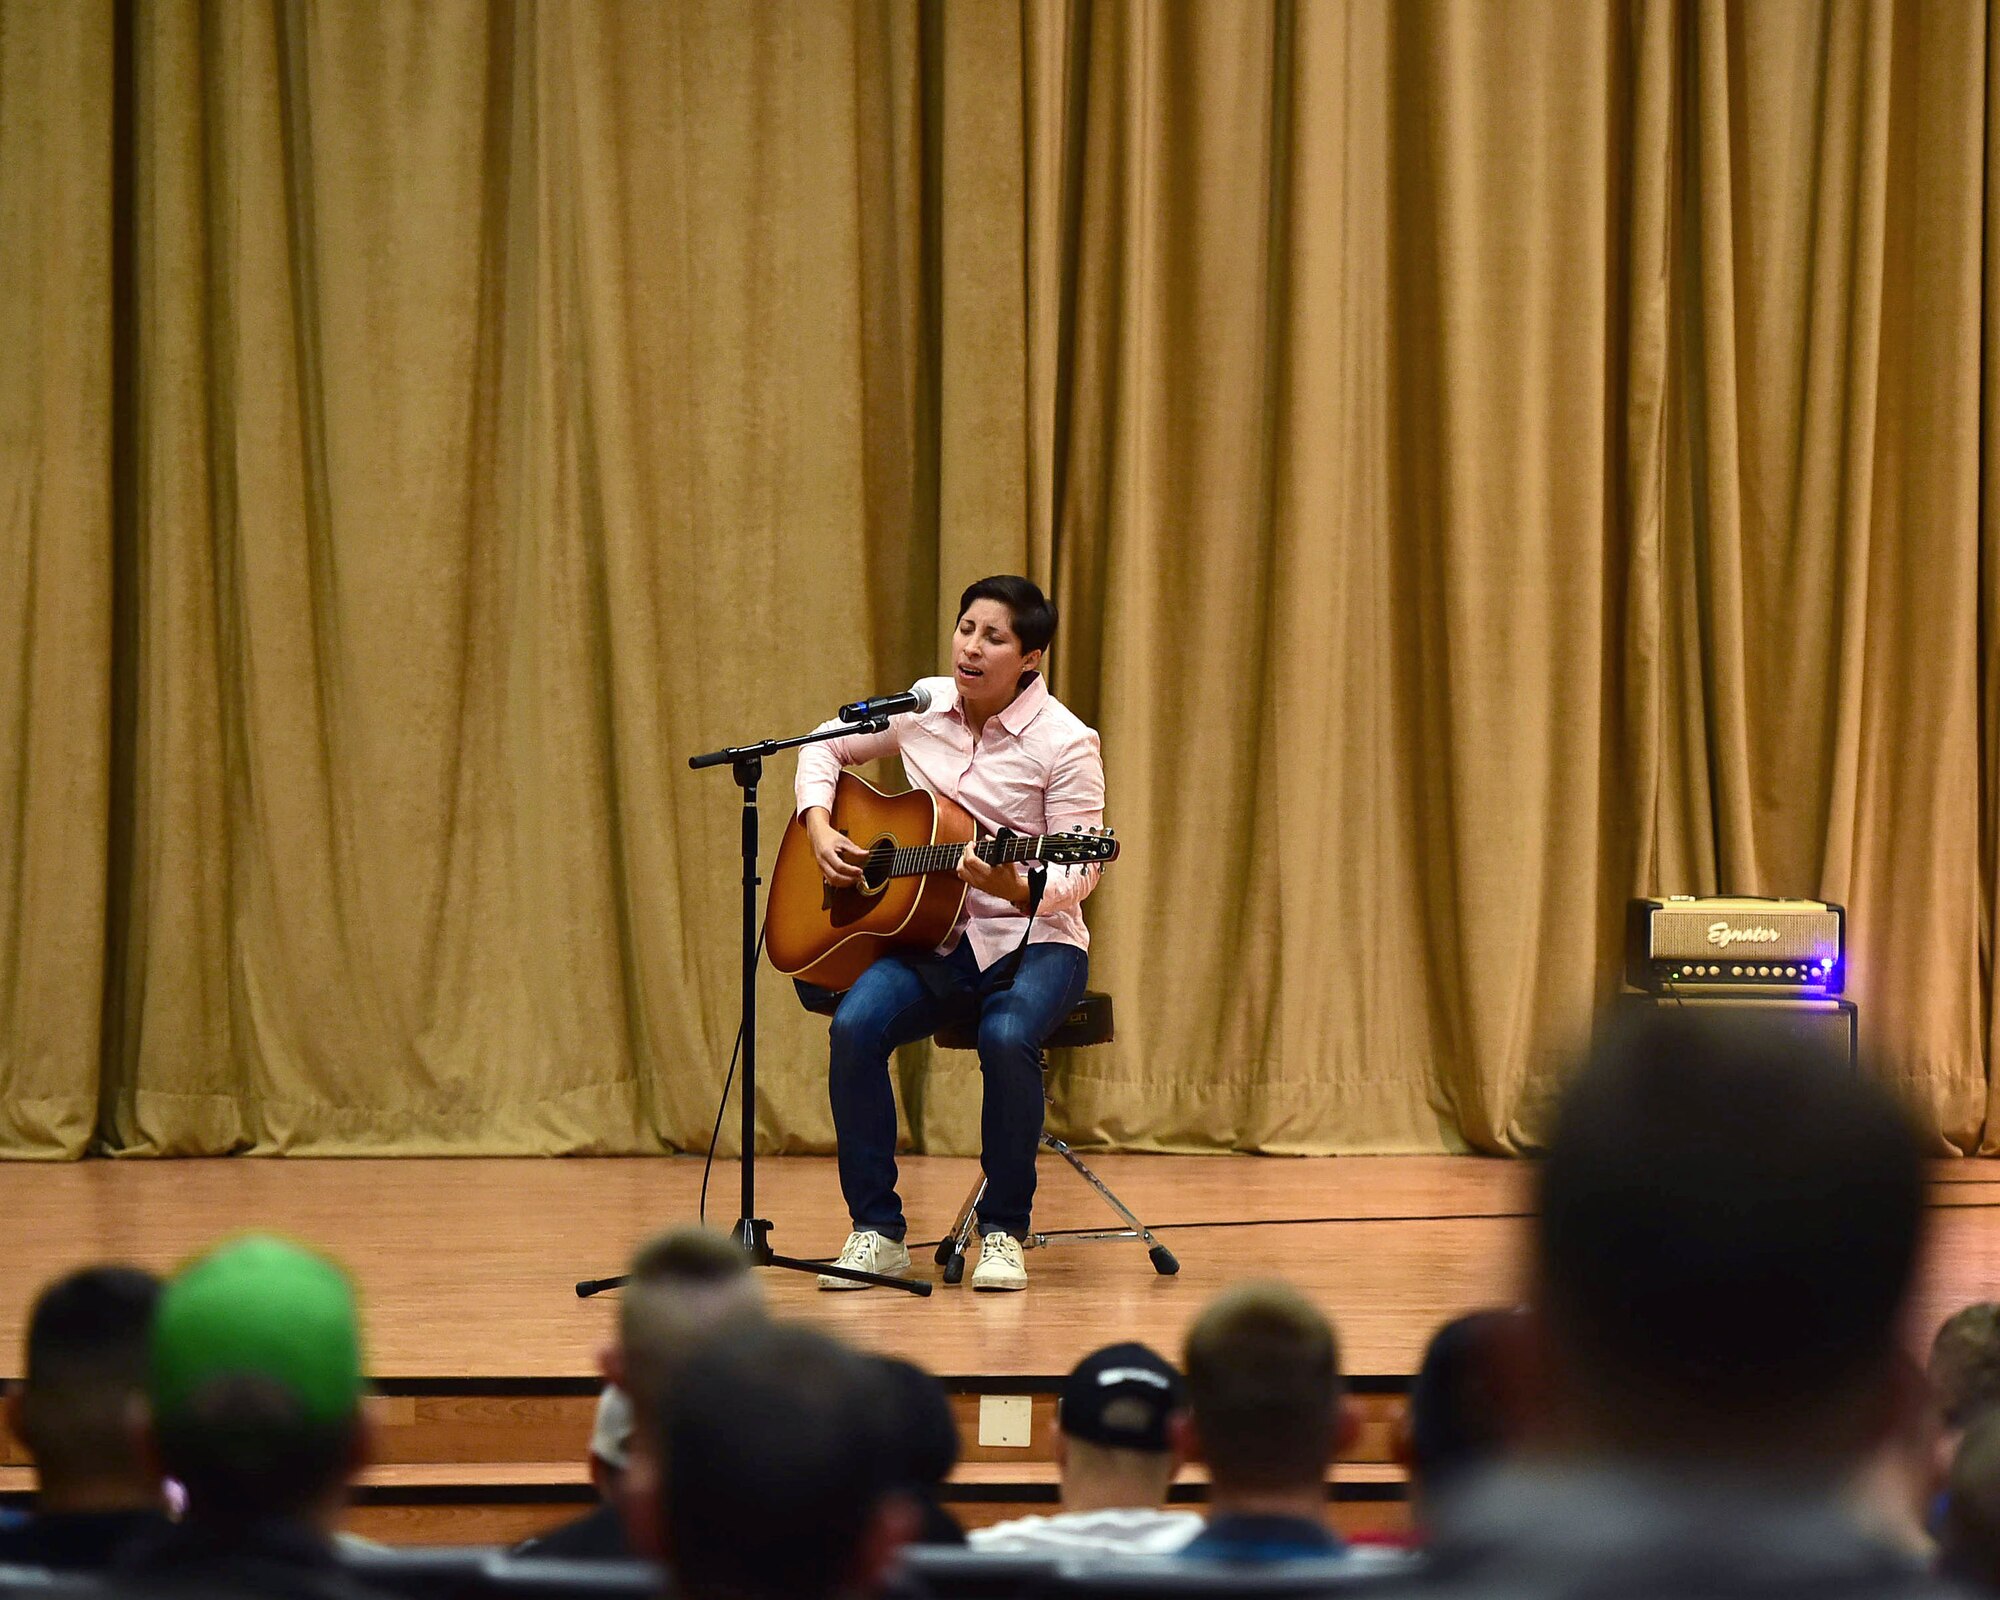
(1079, 847)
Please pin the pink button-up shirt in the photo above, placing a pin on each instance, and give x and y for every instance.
(1036, 769)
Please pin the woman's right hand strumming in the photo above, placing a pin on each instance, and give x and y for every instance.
(839, 857)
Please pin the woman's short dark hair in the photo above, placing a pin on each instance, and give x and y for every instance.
(1034, 613)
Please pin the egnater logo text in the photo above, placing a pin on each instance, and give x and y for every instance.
(1721, 934)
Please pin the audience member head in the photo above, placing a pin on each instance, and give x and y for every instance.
(1462, 1414)
(610, 1442)
(78, 1409)
(780, 1470)
(682, 1286)
(1117, 1429)
(1969, 1538)
(1265, 1400)
(1965, 1363)
(1729, 1223)
(256, 1385)
(924, 1444)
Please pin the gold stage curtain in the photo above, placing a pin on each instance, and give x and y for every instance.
(1494, 457)
(56, 341)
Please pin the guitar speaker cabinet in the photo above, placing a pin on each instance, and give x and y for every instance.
(1819, 1024)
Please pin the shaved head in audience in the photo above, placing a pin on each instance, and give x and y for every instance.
(684, 1285)
(1965, 1363)
(88, 1341)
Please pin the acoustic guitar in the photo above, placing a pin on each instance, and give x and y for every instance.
(910, 894)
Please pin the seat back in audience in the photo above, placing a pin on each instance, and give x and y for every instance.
(482, 1572)
(423, 1572)
(953, 1574)
(1179, 1578)
(535, 1578)
(949, 1572)
(38, 1583)
(940, 1573)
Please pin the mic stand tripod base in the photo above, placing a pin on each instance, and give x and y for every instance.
(753, 1238)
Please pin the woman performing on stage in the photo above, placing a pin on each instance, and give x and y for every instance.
(994, 740)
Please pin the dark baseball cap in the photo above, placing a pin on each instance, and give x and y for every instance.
(1122, 1396)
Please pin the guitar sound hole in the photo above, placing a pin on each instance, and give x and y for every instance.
(875, 870)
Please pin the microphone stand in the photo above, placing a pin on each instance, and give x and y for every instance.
(752, 1233)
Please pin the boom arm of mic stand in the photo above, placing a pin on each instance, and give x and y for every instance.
(770, 747)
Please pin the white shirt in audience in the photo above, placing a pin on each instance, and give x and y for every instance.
(1138, 1532)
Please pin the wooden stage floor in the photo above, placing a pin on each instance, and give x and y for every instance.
(466, 1267)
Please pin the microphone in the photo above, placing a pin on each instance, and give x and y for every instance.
(914, 698)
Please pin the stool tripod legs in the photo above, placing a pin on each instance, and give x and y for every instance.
(952, 1248)
(1162, 1258)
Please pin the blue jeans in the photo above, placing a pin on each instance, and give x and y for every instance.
(893, 1004)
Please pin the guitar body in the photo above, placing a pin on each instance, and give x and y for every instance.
(831, 936)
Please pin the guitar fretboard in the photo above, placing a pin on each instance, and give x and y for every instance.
(922, 858)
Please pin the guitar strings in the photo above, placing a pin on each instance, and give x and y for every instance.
(913, 859)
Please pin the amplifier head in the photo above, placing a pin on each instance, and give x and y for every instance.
(1794, 946)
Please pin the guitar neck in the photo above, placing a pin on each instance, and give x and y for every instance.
(916, 860)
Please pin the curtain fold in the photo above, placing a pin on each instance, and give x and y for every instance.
(57, 175)
(1492, 460)
(1832, 462)
(1989, 595)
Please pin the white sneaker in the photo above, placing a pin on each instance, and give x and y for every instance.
(1000, 1265)
(868, 1251)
